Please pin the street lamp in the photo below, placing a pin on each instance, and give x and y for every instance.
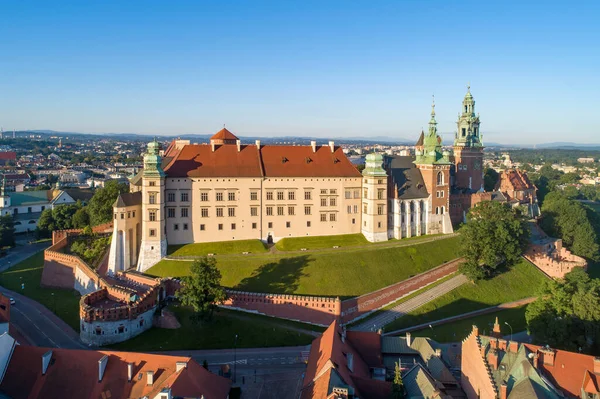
(234, 356)
(511, 330)
(53, 302)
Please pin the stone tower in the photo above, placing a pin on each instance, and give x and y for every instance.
(154, 243)
(374, 212)
(468, 148)
(434, 164)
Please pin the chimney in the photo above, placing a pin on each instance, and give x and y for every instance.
(408, 339)
(513, 346)
(149, 377)
(46, 361)
(180, 366)
(102, 366)
(313, 144)
(597, 365)
(535, 360)
(438, 352)
(332, 146)
(212, 146)
(502, 344)
(257, 142)
(475, 330)
(493, 359)
(239, 145)
(496, 331)
(493, 343)
(129, 372)
(548, 356)
(503, 388)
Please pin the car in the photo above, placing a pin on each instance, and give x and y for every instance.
(12, 301)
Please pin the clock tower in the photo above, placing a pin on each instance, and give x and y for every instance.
(468, 148)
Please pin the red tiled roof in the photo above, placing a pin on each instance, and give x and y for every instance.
(301, 161)
(570, 370)
(224, 134)
(198, 160)
(74, 374)
(8, 155)
(327, 352)
(368, 345)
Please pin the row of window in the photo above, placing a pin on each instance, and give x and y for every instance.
(439, 194)
(130, 214)
(380, 193)
(231, 196)
(380, 209)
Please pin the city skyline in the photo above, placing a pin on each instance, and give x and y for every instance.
(328, 70)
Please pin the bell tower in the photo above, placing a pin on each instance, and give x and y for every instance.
(468, 148)
(154, 243)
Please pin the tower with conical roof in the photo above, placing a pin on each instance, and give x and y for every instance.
(374, 213)
(154, 242)
(434, 163)
(468, 148)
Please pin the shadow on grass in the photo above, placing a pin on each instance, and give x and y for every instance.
(281, 277)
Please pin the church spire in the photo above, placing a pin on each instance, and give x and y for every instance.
(468, 134)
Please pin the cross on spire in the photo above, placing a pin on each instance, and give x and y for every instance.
(432, 105)
(468, 86)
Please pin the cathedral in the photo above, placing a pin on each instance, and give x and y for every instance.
(226, 190)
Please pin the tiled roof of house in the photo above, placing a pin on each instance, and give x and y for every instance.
(224, 134)
(8, 155)
(301, 161)
(570, 369)
(199, 160)
(419, 383)
(31, 197)
(329, 366)
(75, 374)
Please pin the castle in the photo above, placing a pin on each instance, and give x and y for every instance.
(226, 190)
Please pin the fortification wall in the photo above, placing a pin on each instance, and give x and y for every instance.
(105, 331)
(361, 306)
(310, 309)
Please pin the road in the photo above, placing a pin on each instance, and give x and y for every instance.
(387, 316)
(38, 325)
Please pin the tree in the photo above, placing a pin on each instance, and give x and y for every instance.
(59, 218)
(566, 314)
(490, 178)
(100, 207)
(575, 223)
(81, 218)
(7, 231)
(398, 386)
(494, 234)
(202, 290)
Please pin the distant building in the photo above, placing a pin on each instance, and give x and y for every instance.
(519, 190)
(8, 157)
(585, 160)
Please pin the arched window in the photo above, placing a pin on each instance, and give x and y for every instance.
(440, 179)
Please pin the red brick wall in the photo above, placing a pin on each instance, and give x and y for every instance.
(429, 173)
(468, 157)
(317, 310)
(460, 203)
(360, 306)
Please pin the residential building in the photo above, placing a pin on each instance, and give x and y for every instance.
(492, 367)
(30, 372)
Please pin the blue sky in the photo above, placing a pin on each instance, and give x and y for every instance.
(307, 68)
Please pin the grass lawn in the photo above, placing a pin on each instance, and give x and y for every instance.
(312, 242)
(219, 333)
(218, 248)
(65, 303)
(458, 330)
(345, 272)
(520, 281)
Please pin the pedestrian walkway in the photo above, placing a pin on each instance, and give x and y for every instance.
(389, 315)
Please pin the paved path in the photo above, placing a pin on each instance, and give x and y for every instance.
(387, 316)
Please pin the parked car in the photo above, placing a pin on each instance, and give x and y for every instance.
(12, 301)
